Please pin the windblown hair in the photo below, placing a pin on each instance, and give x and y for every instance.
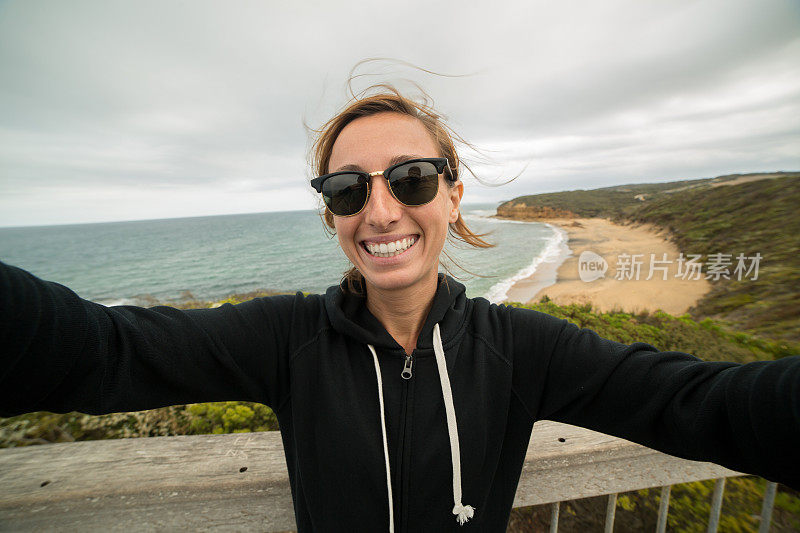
(389, 99)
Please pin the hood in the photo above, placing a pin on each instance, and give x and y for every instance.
(349, 315)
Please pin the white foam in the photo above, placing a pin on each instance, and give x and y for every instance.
(481, 212)
(553, 251)
(493, 220)
(119, 301)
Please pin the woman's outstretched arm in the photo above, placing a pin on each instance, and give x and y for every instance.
(61, 353)
(745, 417)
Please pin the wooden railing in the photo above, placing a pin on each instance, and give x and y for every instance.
(240, 480)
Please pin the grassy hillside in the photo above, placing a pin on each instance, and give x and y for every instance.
(756, 217)
(706, 218)
(620, 199)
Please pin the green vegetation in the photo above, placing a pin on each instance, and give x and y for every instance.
(188, 301)
(231, 417)
(194, 419)
(707, 339)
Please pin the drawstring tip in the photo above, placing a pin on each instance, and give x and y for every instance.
(463, 513)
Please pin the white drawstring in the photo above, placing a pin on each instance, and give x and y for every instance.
(463, 512)
(385, 444)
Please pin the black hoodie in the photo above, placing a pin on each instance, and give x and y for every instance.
(317, 361)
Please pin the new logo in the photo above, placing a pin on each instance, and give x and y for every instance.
(591, 266)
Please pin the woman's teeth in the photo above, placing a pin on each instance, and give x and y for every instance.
(389, 249)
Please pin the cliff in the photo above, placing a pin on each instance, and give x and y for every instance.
(520, 211)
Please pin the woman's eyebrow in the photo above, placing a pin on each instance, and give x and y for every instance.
(349, 167)
(395, 160)
(401, 158)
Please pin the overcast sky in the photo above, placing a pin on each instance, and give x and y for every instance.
(115, 110)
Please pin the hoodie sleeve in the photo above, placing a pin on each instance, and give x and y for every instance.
(61, 353)
(743, 416)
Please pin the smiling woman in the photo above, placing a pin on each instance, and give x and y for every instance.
(403, 404)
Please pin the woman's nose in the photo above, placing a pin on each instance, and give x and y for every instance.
(382, 208)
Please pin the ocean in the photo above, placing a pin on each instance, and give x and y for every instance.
(209, 258)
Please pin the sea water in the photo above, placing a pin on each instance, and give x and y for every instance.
(140, 262)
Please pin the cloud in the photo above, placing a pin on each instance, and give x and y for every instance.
(156, 109)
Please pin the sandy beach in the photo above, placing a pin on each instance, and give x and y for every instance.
(674, 295)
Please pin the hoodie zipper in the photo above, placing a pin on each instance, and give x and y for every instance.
(406, 374)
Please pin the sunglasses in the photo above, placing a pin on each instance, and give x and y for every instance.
(412, 183)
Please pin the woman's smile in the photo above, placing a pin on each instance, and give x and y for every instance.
(388, 247)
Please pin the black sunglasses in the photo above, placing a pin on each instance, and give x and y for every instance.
(413, 183)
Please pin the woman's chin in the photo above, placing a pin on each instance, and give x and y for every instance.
(400, 279)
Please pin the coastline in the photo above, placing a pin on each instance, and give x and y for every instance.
(559, 277)
(543, 267)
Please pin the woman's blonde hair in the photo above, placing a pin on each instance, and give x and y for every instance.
(389, 99)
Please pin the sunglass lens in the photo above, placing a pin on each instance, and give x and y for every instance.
(345, 194)
(415, 183)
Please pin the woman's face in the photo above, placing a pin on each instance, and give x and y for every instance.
(372, 144)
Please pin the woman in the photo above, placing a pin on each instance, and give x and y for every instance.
(402, 403)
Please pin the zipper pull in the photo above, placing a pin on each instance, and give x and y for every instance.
(406, 374)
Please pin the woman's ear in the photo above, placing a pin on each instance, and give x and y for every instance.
(456, 192)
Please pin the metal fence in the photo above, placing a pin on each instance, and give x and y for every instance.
(663, 509)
